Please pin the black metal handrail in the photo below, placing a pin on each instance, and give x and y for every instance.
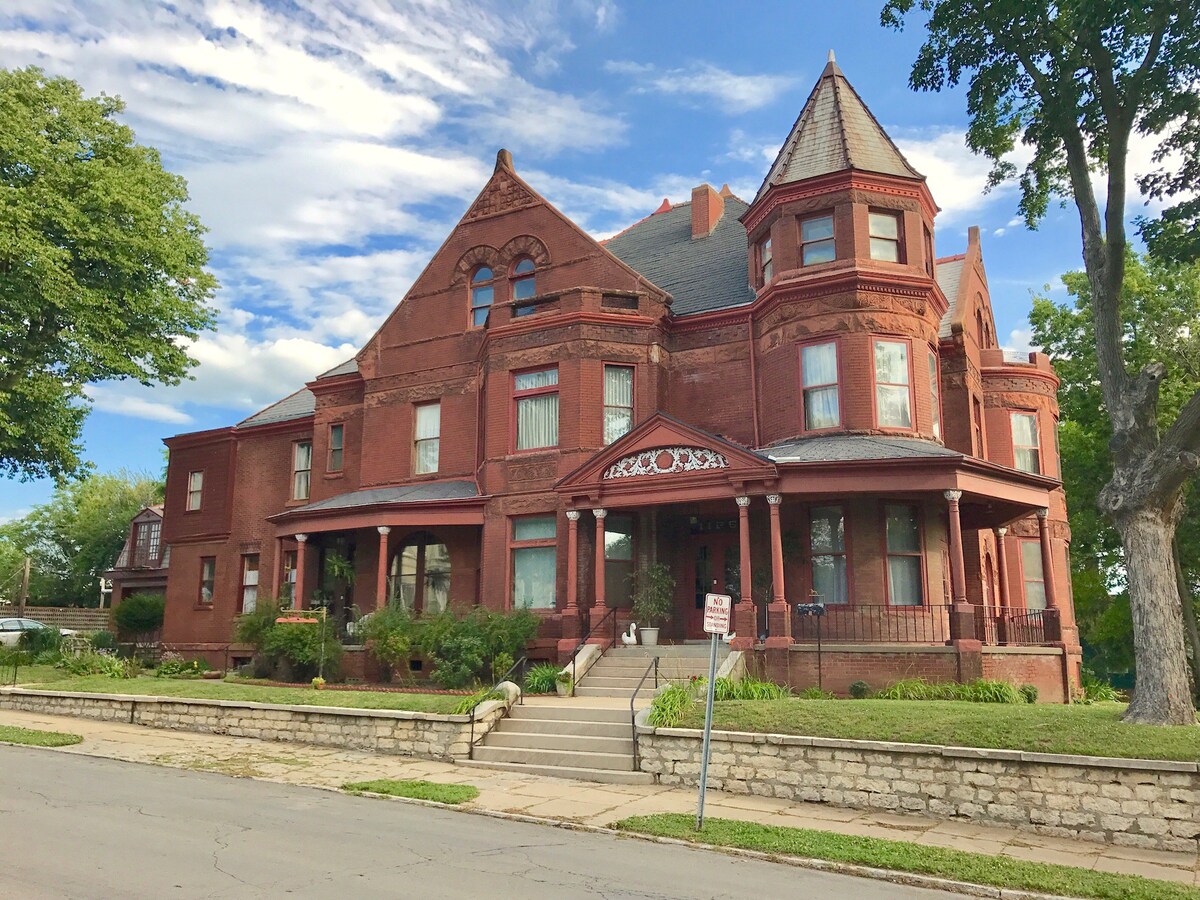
(632, 714)
(520, 663)
(875, 623)
(1011, 626)
(612, 611)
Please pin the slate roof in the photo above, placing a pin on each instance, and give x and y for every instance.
(346, 368)
(410, 493)
(847, 447)
(949, 273)
(835, 132)
(294, 406)
(700, 275)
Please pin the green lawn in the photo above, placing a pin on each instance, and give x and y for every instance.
(977, 868)
(226, 690)
(31, 675)
(11, 734)
(1094, 730)
(419, 790)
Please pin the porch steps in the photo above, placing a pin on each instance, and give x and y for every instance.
(617, 673)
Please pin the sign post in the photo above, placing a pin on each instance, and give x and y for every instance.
(717, 609)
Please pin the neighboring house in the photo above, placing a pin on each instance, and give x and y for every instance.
(790, 399)
(141, 566)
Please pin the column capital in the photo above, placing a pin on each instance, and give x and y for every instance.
(774, 499)
(573, 515)
(301, 538)
(1042, 513)
(384, 529)
(600, 513)
(952, 496)
(1002, 531)
(742, 501)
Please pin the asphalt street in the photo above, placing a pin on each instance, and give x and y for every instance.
(77, 826)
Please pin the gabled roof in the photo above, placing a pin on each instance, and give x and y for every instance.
(835, 132)
(294, 406)
(701, 274)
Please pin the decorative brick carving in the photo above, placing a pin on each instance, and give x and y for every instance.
(666, 461)
(503, 194)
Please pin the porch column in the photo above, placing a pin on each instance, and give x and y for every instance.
(958, 569)
(382, 570)
(276, 567)
(1047, 558)
(745, 616)
(598, 607)
(301, 552)
(779, 618)
(1002, 565)
(572, 559)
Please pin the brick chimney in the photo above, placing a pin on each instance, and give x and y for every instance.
(707, 208)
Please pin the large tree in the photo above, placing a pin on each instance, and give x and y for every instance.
(102, 269)
(1075, 81)
(77, 534)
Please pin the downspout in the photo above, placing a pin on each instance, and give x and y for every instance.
(753, 381)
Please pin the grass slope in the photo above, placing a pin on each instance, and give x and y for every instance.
(418, 790)
(11, 734)
(1094, 730)
(31, 675)
(224, 690)
(977, 868)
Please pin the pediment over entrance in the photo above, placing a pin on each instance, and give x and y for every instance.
(665, 452)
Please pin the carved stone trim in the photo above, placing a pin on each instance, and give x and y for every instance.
(742, 501)
(774, 499)
(952, 496)
(573, 515)
(666, 461)
(600, 513)
(483, 255)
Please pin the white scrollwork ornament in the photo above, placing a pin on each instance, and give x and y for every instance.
(666, 461)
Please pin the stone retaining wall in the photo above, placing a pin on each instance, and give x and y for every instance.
(378, 730)
(1132, 803)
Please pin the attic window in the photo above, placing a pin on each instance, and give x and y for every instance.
(482, 295)
(524, 286)
(816, 241)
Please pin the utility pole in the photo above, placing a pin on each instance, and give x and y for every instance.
(24, 595)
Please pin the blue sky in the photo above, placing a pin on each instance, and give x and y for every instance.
(330, 145)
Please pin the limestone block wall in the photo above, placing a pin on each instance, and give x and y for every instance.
(1133, 803)
(381, 731)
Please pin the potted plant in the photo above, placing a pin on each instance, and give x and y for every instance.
(318, 683)
(564, 684)
(653, 600)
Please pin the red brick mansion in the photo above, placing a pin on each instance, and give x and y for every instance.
(794, 400)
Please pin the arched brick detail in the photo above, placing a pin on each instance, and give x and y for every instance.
(525, 245)
(482, 255)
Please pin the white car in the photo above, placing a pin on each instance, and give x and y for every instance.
(10, 630)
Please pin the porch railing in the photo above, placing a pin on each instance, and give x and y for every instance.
(1012, 627)
(609, 619)
(879, 624)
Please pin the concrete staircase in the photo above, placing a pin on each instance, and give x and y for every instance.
(616, 674)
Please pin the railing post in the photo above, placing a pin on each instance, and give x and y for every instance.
(1051, 626)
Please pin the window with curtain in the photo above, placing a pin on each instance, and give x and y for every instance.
(766, 262)
(427, 440)
(419, 576)
(1027, 452)
(827, 545)
(618, 402)
(618, 560)
(536, 397)
(893, 405)
(208, 579)
(819, 377)
(249, 582)
(816, 240)
(483, 292)
(523, 286)
(903, 525)
(301, 469)
(935, 392)
(195, 490)
(1033, 575)
(533, 546)
(885, 236)
(337, 435)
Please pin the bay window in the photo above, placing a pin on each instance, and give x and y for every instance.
(935, 395)
(827, 552)
(816, 240)
(885, 236)
(819, 381)
(766, 264)
(1027, 453)
(903, 526)
(535, 395)
(534, 552)
(427, 438)
(618, 402)
(1032, 574)
(893, 401)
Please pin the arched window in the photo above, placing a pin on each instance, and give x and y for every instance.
(420, 575)
(483, 292)
(523, 286)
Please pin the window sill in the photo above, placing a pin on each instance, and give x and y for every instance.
(293, 503)
(207, 607)
(334, 476)
(524, 455)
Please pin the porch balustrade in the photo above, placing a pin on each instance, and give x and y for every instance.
(881, 624)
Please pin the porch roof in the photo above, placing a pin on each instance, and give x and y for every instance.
(402, 493)
(430, 503)
(847, 447)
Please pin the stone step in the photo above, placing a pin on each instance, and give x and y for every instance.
(574, 712)
(600, 776)
(576, 759)
(614, 681)
(672, 670)
(675, 651)
(565, 726)
(502, 737)
(643, 697)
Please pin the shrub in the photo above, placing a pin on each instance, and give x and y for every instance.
(1029, 693)
(172, 665)
(91, 662)
(481, 645)
(979, 691)
(390, 635)
(468, 704)
(253, 627)
(1097, 691)
(41, 640)
(541, 679)
(860, 690)
(504, 634)
(653, 595)
(47, 658)
(815, 693)
(103, 640)
(670, 706)
(140, 613)
(458, 660)
(984, 691)
(746, 689)
(300, 650)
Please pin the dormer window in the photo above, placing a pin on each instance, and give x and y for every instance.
(885, 236)
(483, 292)
(766, 265)
(816, 241)
(523, 286)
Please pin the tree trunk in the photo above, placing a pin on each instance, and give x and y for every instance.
(1162, 695)
(1189, 617)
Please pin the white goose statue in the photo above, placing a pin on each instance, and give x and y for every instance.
(630, 636)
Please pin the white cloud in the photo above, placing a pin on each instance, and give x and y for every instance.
(957, 178)
(110, 399)
(1020, 340)
(704, 81)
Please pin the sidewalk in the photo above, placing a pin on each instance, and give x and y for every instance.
(591, 804)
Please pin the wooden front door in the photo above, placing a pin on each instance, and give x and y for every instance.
(716, 568)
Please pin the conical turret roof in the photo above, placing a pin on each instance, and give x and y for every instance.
(835, 132)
